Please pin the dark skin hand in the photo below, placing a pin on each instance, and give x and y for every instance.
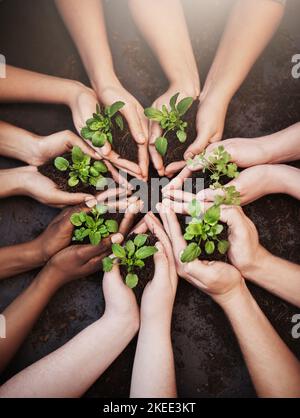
(85, 260)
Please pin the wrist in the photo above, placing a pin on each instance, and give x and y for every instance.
(157, 323)
(256, 264)
(232, 298)
(128, 323)
(47, 280)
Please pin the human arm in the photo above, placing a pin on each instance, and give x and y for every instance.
(156, 378)
(273, 368)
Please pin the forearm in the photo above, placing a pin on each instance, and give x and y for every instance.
(89, 35)
(163, 24)
(16, 259)
(27, 86)
(283, 179)
(282, 146)
(153, 371)
(274, 370)
(17, 143)
(23, 312)
(251, 25)
(73, 368)
(11, 181)
(276, 275)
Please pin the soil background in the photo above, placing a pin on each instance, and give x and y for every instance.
(208, 360)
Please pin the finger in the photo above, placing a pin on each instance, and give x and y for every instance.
(162, 214)
(128, 166)
(140, 228)
(179, 180)
(173, 168)
(134, 122)
(157, 160)
(128, 219)
(209, 195)
(176, 237)
(161, 265)
(197, 146)
(180, 196)
(117, 177)
(59, 198)
(143, 158)
(234, 217)
(177, 207)
(111, 195)
(114, 275)
(86, 252)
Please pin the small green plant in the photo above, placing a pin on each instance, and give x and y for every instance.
(218, 164)
(81, 169)
(93, 225)
(130, 255)
(203, 232)
(98, 129)
(170, 121)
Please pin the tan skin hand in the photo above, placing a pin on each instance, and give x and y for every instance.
(219, 280)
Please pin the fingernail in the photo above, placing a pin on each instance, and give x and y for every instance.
(159, 246)
(188, 155)
(117, 238)
(90, 201)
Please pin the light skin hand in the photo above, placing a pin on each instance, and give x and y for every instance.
(156, 378)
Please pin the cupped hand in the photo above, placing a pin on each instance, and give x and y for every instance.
(133, 112)
(159, 294)
(155, 130)
(78, 261)
(217, 279)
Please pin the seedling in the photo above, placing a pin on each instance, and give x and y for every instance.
(203, 231)
(131, 255)
(98, 129)
(81, 169)
(93, 225)
(170, 121)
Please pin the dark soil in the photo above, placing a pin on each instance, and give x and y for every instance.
(176, 149)
(146, 273)
(124, 144)
(61, 177)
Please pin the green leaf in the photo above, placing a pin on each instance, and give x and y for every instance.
(75, 219)
(119, 122)
(95, 237)
(223, 246)
(118, 250)
(86, 133)
(145, 252)
(82, 216)
(73, 181)
(184, 105)
(161, 145)
(190, 253)
(209, 247)
(181, 135)
(212, 215)
(131, 280)
(107, 264)
(115, 107)
(188, 237)
(194, 208)
(140, 240)
(101, 183)
(194, 228)
(101, 209)
(130, 247)
(112, 225)
(100, 166)
(139, 263)
(61, 163)
(98, 109)
(98, 139)
(153, 114)
(94, 172)
(77, 154)
(89, 221)
(173, 101)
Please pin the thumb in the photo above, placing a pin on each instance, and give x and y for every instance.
(60, 198)
(89, 251)
(135, 124)
(161, 264)
(197, 146)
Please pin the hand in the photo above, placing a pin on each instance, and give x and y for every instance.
(48, 147)
(219, 280)
(83, 104)
(159, 294)
(134, 114)
(78, 261)
(155, 130)
(210, 125)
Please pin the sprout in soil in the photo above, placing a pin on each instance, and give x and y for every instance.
(170, 121)
(98, 129)
(81, 169)
(203, 231)
(93, 225)
(131, 255)
(217, 164)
